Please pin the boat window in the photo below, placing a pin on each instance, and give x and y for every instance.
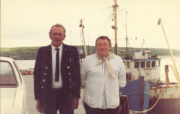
(128, 64)
(128, 76)
(153, 63)
(157, 63)
(7, 77)
(148, 64)
(136, 65)
(142, 64)
(143, 54)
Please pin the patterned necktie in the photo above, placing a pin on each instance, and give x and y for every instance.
(57, 65)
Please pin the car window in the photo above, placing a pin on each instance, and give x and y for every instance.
(7, 77)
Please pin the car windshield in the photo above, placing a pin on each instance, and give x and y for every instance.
(7, 77)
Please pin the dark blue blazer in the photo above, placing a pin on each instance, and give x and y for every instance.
(70, 71)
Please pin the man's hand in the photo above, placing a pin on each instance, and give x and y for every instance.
(75, 103)
(38, 106)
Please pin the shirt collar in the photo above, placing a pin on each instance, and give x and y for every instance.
(53, 47)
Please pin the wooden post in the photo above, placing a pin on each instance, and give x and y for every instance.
(141, 79)
(166, 73)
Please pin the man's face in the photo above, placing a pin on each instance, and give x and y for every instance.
(102, 47)
(57, 36)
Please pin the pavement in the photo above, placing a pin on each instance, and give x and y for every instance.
(32, 103)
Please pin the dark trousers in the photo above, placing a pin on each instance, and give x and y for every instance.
(90, 110)
(63, 104)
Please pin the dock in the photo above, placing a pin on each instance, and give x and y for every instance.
(32, 102)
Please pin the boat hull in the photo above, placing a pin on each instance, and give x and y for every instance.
(165, 106)
(169, 99)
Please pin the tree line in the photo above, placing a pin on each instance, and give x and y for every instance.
(29, 53)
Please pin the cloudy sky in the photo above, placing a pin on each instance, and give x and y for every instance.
(27, 22)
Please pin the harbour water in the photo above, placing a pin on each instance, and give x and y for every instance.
(29, 65)
(168, 61)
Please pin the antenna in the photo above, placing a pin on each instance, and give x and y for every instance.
(142, 44)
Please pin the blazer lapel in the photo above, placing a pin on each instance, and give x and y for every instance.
(64, 56)
(49, 61)
(64, 60)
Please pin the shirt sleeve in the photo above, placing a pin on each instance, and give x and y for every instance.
(83, 73)
(122, 74)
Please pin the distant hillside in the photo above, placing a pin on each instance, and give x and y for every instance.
(29, 53)
(154, 51)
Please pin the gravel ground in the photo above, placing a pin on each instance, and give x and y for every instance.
(32, 103)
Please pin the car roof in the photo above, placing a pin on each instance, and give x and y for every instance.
(6, 59)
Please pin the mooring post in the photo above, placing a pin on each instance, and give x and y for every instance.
(166, 73)
(141, 84)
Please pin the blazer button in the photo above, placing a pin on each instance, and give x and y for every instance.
(43, 80)
(45, 74)
(69, 73)
(68, 67)
(42, 87)
(70, 86)
(46, 67)
(70, 79)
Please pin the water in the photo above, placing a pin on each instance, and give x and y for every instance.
(25, 64)
(29, 64)
(168, 61)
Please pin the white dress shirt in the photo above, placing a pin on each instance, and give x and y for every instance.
(100, 89)
(56, 84)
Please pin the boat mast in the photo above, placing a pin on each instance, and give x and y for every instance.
(84, 43)
(126, 37)
(115, 26)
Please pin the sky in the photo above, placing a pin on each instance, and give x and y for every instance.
(26, 23)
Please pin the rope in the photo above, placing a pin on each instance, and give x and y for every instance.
(147, 110)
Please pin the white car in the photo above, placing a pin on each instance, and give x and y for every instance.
(12, 88)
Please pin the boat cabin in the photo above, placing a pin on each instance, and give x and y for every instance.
(143, 64)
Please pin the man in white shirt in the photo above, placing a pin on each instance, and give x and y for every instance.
(102, 74)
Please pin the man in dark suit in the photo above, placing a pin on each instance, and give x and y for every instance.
(57, 75)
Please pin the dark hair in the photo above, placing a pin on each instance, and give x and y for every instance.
(58, 25)
(103, 38)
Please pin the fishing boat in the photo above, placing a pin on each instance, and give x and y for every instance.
(142, 70)
(145, 92)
